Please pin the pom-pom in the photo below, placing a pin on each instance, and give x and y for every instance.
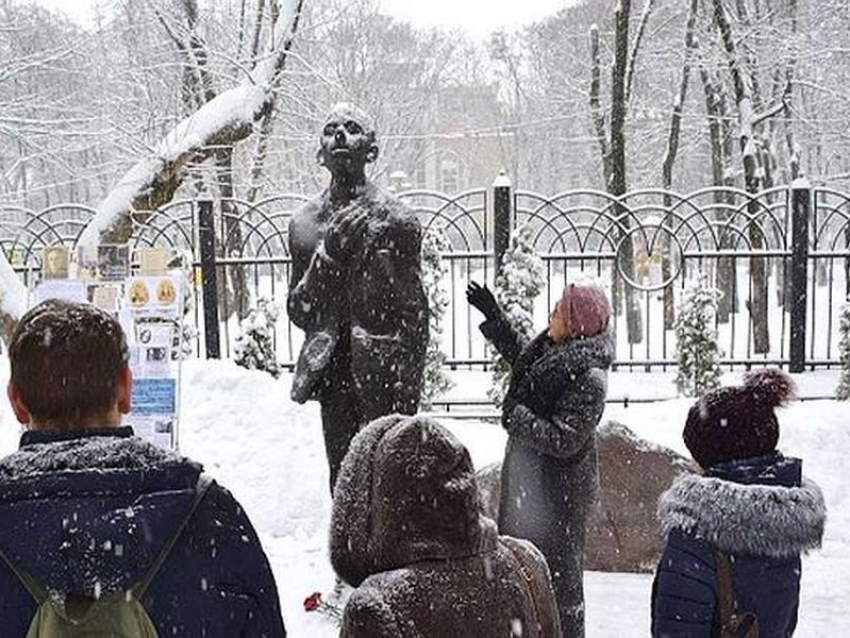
(771, 386)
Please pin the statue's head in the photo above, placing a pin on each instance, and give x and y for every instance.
(347, 142)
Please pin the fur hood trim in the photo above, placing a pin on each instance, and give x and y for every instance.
(757, 520)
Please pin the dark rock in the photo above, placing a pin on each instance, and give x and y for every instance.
(622, 529)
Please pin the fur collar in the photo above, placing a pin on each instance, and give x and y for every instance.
(546, 369)
(84, 453)
(760, 520)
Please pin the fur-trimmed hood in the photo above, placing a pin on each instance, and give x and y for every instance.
(757, 507)
(87, 513)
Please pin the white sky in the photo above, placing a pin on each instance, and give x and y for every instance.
(477, 17)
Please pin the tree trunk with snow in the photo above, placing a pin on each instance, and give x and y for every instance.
(618, 185)
(596, 108)
(670, 160)
(722, 151)
(746, 119)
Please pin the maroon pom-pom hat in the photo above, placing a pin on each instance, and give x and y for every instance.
(738, 422)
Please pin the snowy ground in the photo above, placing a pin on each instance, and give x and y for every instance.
(269, 452)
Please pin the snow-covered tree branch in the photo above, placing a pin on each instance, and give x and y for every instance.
(224, 120)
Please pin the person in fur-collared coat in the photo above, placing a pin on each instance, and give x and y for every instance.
(751, 503)
(407, 532)
(554, 402)
(89, 510)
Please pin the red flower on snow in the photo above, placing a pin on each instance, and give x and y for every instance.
(313, 601)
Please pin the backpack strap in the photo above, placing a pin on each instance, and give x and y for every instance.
(730, 622)
(204, 483)
(36, 589)
(41, 594)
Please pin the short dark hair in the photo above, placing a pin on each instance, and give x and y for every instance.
(66, 359)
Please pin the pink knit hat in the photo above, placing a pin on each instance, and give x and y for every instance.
(585, 310)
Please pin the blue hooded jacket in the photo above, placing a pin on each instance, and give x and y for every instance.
(87, 513)
(763, 514)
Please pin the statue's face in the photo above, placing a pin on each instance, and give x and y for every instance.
(346, 144)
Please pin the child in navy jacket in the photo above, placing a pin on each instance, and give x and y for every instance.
(750, 502)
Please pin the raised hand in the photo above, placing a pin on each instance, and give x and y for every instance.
(344, 232)
(481, 298)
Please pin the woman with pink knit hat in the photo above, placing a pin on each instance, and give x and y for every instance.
(554, 402)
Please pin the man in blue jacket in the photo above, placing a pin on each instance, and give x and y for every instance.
(86, 507)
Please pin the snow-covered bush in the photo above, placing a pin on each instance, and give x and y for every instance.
(253, 348)
(520, 281)
(185, 331)
(434, 269)
(697, 353)
(842, 392)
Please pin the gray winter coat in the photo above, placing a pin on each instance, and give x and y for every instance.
(549, 476)
(406, 530)
(556, 396)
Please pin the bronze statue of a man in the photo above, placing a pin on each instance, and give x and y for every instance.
(356, 291)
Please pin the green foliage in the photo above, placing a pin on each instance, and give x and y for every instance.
(434, 270)
(697, 353)
(517, 286)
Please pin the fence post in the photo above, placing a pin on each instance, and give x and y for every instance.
(501, 218)
(209, 283)
(801, 206)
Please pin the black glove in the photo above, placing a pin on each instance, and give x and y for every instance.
(481, 298)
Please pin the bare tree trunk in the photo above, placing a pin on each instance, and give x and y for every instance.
(721, 169)
(618, 185)
(790, 70)
(746, 117)
(641, 30)
(596, 108)
(670, 160)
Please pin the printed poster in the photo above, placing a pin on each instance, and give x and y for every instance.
(159, 296)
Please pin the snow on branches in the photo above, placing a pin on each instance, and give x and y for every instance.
(226, 119)
(697, 352)
(517, 285)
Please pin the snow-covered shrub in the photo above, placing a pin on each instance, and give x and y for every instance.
(520, 281)
(434, 269)
(185, 331)
(253, 348)
(842, 392)
(697, 353)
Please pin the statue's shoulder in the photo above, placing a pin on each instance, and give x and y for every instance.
(309, 212)
(393, 209)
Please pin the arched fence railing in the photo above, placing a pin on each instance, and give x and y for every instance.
(780, 258)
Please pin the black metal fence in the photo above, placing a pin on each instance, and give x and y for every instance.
(781, 259)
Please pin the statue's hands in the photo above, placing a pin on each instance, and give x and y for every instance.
(344, 233)
(481, 298)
